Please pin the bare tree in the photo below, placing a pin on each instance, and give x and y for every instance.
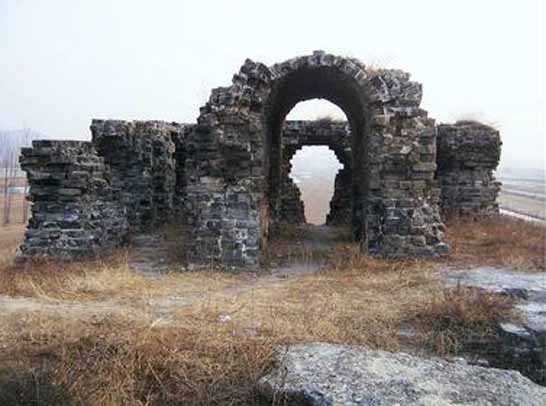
(6, 165)
(10, 148)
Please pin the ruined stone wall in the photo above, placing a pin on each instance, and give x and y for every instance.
(468, 153)
(291, 210)
(143, 186)
(405, 191)
(179, 139)
(75, 208)
(227, 178)
(142, 157)
(234, 156)
(341, 203)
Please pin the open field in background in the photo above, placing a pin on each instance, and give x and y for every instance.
(523, 191)
(316, 193)
(524, 196)
(10, 238)
(523, 205)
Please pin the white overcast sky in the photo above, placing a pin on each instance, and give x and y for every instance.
(64, 62)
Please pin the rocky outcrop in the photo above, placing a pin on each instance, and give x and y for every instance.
(76, 209)
(519, 345)
(468, 153)
(327, 374)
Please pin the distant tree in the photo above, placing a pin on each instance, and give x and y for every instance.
(7, 165)
(10, 149)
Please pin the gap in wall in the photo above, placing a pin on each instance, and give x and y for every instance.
(314, 169)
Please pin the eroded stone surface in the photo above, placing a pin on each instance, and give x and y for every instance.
(468, 153)
(75, 208)
(327, 374)
(521, 345)
(141, 155)
(235, 156)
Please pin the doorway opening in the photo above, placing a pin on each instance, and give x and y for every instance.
(314, 170)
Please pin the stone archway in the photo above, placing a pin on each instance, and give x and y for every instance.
(234, 155)
(319, 76)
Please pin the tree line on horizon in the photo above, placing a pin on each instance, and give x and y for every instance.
(11, 143)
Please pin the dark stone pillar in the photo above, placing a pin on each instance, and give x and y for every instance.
(468, 152)
(75, 209)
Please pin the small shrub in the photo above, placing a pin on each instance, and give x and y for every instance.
(457, 318)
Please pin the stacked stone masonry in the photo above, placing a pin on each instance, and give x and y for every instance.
(141, 155)
(75, 209)
(468, 152)
(227, 176)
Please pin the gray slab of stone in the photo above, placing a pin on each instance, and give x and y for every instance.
(522, 344)
(327, 374)
(529, 287)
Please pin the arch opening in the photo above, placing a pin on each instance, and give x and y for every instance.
(313, 169)
(306, 83)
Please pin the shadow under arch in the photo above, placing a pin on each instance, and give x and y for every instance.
(316, 82)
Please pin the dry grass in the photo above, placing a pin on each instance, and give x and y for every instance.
(110, 278)
(11, 237)
(455, 319)
(328, 119)
(16, 214)
(363, 305)
(497, 241)
(110, 362)
(217, 347)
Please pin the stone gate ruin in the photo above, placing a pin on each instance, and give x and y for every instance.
(226, 176)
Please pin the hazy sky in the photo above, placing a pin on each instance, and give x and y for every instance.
(64, 62)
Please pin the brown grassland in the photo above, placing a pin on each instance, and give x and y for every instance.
(215, 347)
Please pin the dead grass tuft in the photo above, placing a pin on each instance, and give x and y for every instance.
(327, 119)
(11, 237)
(104, 278)
(111, 363)
(455, 319)
(217, 349)
(497, 241)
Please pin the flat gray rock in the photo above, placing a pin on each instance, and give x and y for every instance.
(327, 374)
(530, 288)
